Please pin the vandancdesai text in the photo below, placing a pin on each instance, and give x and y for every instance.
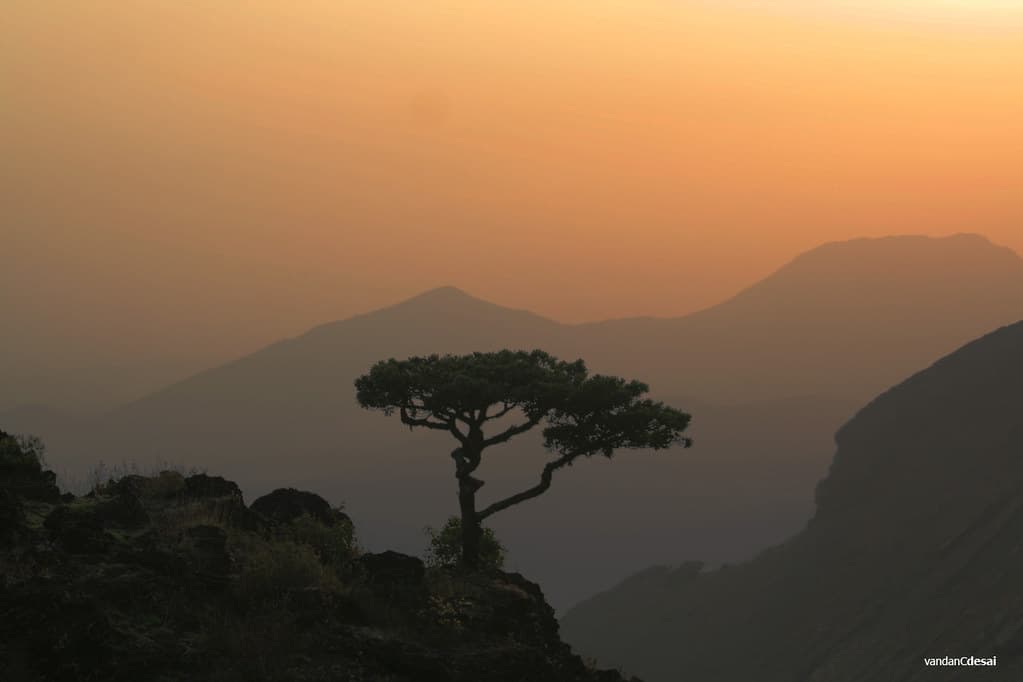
(961, 661)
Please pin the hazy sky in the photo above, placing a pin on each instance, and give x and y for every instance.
(196, 179)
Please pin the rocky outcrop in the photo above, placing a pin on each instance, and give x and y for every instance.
(168, 578)
(201, 485)
(287, 504)
(914, 552)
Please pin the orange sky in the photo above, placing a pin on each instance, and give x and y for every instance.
(197, 182)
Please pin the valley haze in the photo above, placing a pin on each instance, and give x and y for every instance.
(769, 375)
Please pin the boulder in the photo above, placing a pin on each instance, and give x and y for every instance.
(287, 504)
(392, 569)
(201, 485)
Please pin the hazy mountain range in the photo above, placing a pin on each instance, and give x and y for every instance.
(769, 375)
(914, 552)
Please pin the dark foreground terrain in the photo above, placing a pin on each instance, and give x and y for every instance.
(174, 578)
(915, 551)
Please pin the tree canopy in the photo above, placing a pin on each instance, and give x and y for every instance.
(581, 414)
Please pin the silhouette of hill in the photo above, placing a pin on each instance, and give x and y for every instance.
(170, 577)
(769, 376)
(914, 552)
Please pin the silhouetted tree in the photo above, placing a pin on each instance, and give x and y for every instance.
(582, 415)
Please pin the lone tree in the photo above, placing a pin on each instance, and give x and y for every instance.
(582, 415)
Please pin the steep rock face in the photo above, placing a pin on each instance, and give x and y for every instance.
(915, 551)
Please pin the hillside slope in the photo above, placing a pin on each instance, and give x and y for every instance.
(914, 552)
(172, 579)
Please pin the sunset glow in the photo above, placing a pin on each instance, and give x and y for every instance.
(306, 161)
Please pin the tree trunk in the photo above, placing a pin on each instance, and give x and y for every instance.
(471, 532)
(467, 458)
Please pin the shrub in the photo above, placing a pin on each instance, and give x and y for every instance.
(271, 570)
(21, 454)
(334, 544)
(445, 548)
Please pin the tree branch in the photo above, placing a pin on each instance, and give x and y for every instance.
(508, 407)
(408, 419)
(458, 434)
(537, 490)
(511, 432)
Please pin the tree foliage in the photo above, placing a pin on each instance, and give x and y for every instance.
(469, 396)
(445, 546)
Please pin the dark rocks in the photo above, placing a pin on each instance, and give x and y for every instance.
(62, 636)
(240, 516)
(201, 485)
(394, 578)
(124, 510)
(77, 530)
(160, 578)
(515, 607)
(12, 517)
(401, 657)
(212, 562)
(80, 527)
(146, 551)
(287, 504)
(231, 511)
(165, 485)
(392, 569)
(132, 484)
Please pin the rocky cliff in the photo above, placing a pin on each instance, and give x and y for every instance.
(915, 552)
(174, 578)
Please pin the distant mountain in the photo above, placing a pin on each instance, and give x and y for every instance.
(769, 376)
(846, 319)
(915, 551)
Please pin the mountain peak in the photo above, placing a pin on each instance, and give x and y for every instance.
(447, 292)
(444, 312)
(444, 300)
(903, 267)
(901, 247)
